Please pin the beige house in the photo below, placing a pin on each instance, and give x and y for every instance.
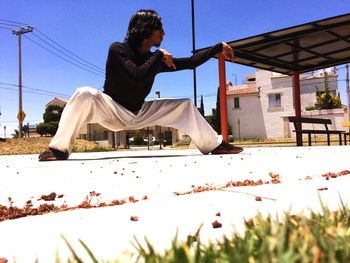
(259, 108)
(57, 101)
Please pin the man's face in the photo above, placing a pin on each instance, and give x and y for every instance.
(157, 37)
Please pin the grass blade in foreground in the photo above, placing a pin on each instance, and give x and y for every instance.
(317, 238)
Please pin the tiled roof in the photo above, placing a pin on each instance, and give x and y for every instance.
(245, 89)
(62, 99)
(57, 99)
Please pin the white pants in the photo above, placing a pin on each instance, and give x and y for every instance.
(89, 105)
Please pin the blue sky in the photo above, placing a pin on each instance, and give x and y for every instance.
(87, 28)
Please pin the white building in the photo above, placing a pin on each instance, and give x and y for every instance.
(259, 108)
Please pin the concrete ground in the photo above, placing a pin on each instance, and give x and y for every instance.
(183, 190)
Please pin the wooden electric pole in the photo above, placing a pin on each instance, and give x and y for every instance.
(21, 115)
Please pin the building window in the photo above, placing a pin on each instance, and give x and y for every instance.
(236, 103)
(275, 100)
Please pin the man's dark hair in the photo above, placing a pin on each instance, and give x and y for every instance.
(141, 26)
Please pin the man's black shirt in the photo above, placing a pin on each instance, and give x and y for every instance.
(130, 75)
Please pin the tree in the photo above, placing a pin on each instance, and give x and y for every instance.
(325, 100)
(138, 139)
(211, 120)
(41, 129)
(201, 109)
(215, 119)
(52, 113)
(16, 134)
(217, 113)
(51, 118)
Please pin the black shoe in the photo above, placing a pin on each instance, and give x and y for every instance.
(53, 155)
(226, 148)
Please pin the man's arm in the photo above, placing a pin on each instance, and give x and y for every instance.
(197, 59)
(143, 72)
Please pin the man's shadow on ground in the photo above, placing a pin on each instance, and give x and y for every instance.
(133, 157)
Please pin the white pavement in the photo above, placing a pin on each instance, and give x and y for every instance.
(158, 174)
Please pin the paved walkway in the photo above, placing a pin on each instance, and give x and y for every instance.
(166, 190)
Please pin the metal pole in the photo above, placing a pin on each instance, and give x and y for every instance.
(159, 127)
(223, 101)
(193, 50)
(296, 85)
(348, 90)
(148, 139)
(297, 106)
(4, 132)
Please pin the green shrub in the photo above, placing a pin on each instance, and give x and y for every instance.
(310, 108)
(138, 139)
(52, 113)
(47, 128)
(184, 141)
(51, 118)
(52, 127)
(41, 129)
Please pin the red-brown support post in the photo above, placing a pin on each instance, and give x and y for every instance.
(223, 101)
(297, 106)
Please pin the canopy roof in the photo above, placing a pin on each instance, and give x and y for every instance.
(301, 48)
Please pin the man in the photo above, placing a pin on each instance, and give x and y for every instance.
(130, 71)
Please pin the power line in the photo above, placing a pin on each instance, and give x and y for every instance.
(27, 101)
(63, 57)
(8, 24)
(82, 63)
(99, 68)
(33, 91)
(39, 93)
(5, 28)
(52, 93)
(17, 121)
(60, 51)
(214, 94)
(14, 22)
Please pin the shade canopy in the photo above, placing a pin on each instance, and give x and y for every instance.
(301, 48)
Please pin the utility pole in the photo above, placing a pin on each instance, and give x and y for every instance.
(21, 115)
(348, 89)
(193, 50)
(160, 136)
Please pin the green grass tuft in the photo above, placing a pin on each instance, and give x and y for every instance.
(319, 237)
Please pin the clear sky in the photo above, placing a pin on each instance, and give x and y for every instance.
(86, 28)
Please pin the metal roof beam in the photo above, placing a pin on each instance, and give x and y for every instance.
(312, 46)
(290, 36)
(328, 54)
(261, 59)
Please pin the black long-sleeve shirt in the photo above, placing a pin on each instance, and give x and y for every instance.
(130, 75)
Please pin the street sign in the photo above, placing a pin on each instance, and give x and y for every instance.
(21, 115)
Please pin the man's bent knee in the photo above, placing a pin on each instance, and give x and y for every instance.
(86, 92)
(185, 101)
